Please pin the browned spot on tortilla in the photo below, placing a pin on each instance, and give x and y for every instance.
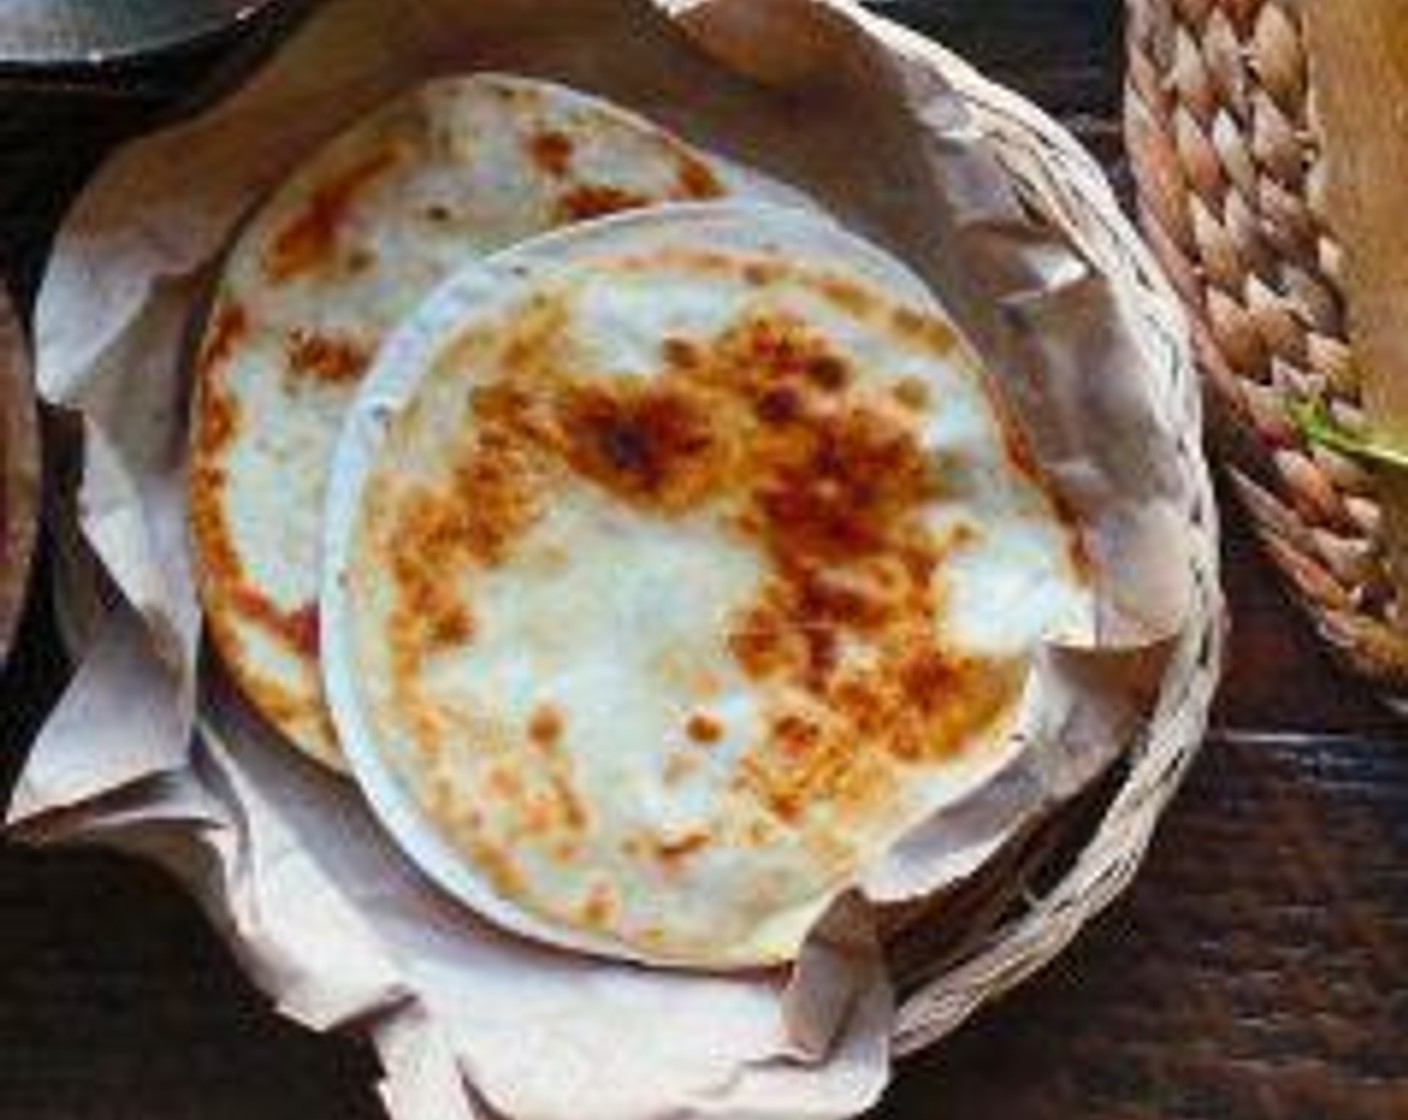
(760, 833)
(218, 563)
(574, 813)
(526, 97)
(529, 350)
(438, 531)
(679, 848)
(566, 851)
(545, 726)
(779, 404)
(838, 486)
(430, 612)
(326, 357)
(522, 799)
(681, 353)
(912, 392)
(646, 445)
(551, 152)
(303, 629)
(703, 728)
(925, 330)
(300, 715)
(695, 179)
(595, 200)
(505, 784)
(757, 641)
(849, 297)
(495, 860)
(598, 907)
(679, 767)
(927, 678)
(795, 735)
(759, 273)
(296, 628)
(827, 371)
(307, 243)
(228, 326)
(360, 259)
(1018, 454)
(681, 670)
(217, 424)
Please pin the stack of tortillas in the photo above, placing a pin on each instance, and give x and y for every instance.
(651, 550)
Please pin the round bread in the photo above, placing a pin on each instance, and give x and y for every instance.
(458, 169)
(676, 566)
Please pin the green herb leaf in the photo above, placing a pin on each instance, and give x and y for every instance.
(1313, 420)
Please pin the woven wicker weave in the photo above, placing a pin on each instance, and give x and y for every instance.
(1220, 127)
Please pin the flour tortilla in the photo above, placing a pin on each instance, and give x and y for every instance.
(676, 565)
(349, 245)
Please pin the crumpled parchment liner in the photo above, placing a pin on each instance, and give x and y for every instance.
(325, 916)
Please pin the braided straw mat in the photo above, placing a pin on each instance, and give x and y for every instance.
(1220, 126)
(1028, 907)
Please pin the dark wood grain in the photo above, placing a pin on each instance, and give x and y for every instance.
(1257, 971)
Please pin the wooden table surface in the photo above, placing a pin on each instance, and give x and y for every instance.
(1257, 971)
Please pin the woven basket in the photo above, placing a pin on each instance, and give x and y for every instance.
(1221, 133)
(1023, 908)
(19, 475)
